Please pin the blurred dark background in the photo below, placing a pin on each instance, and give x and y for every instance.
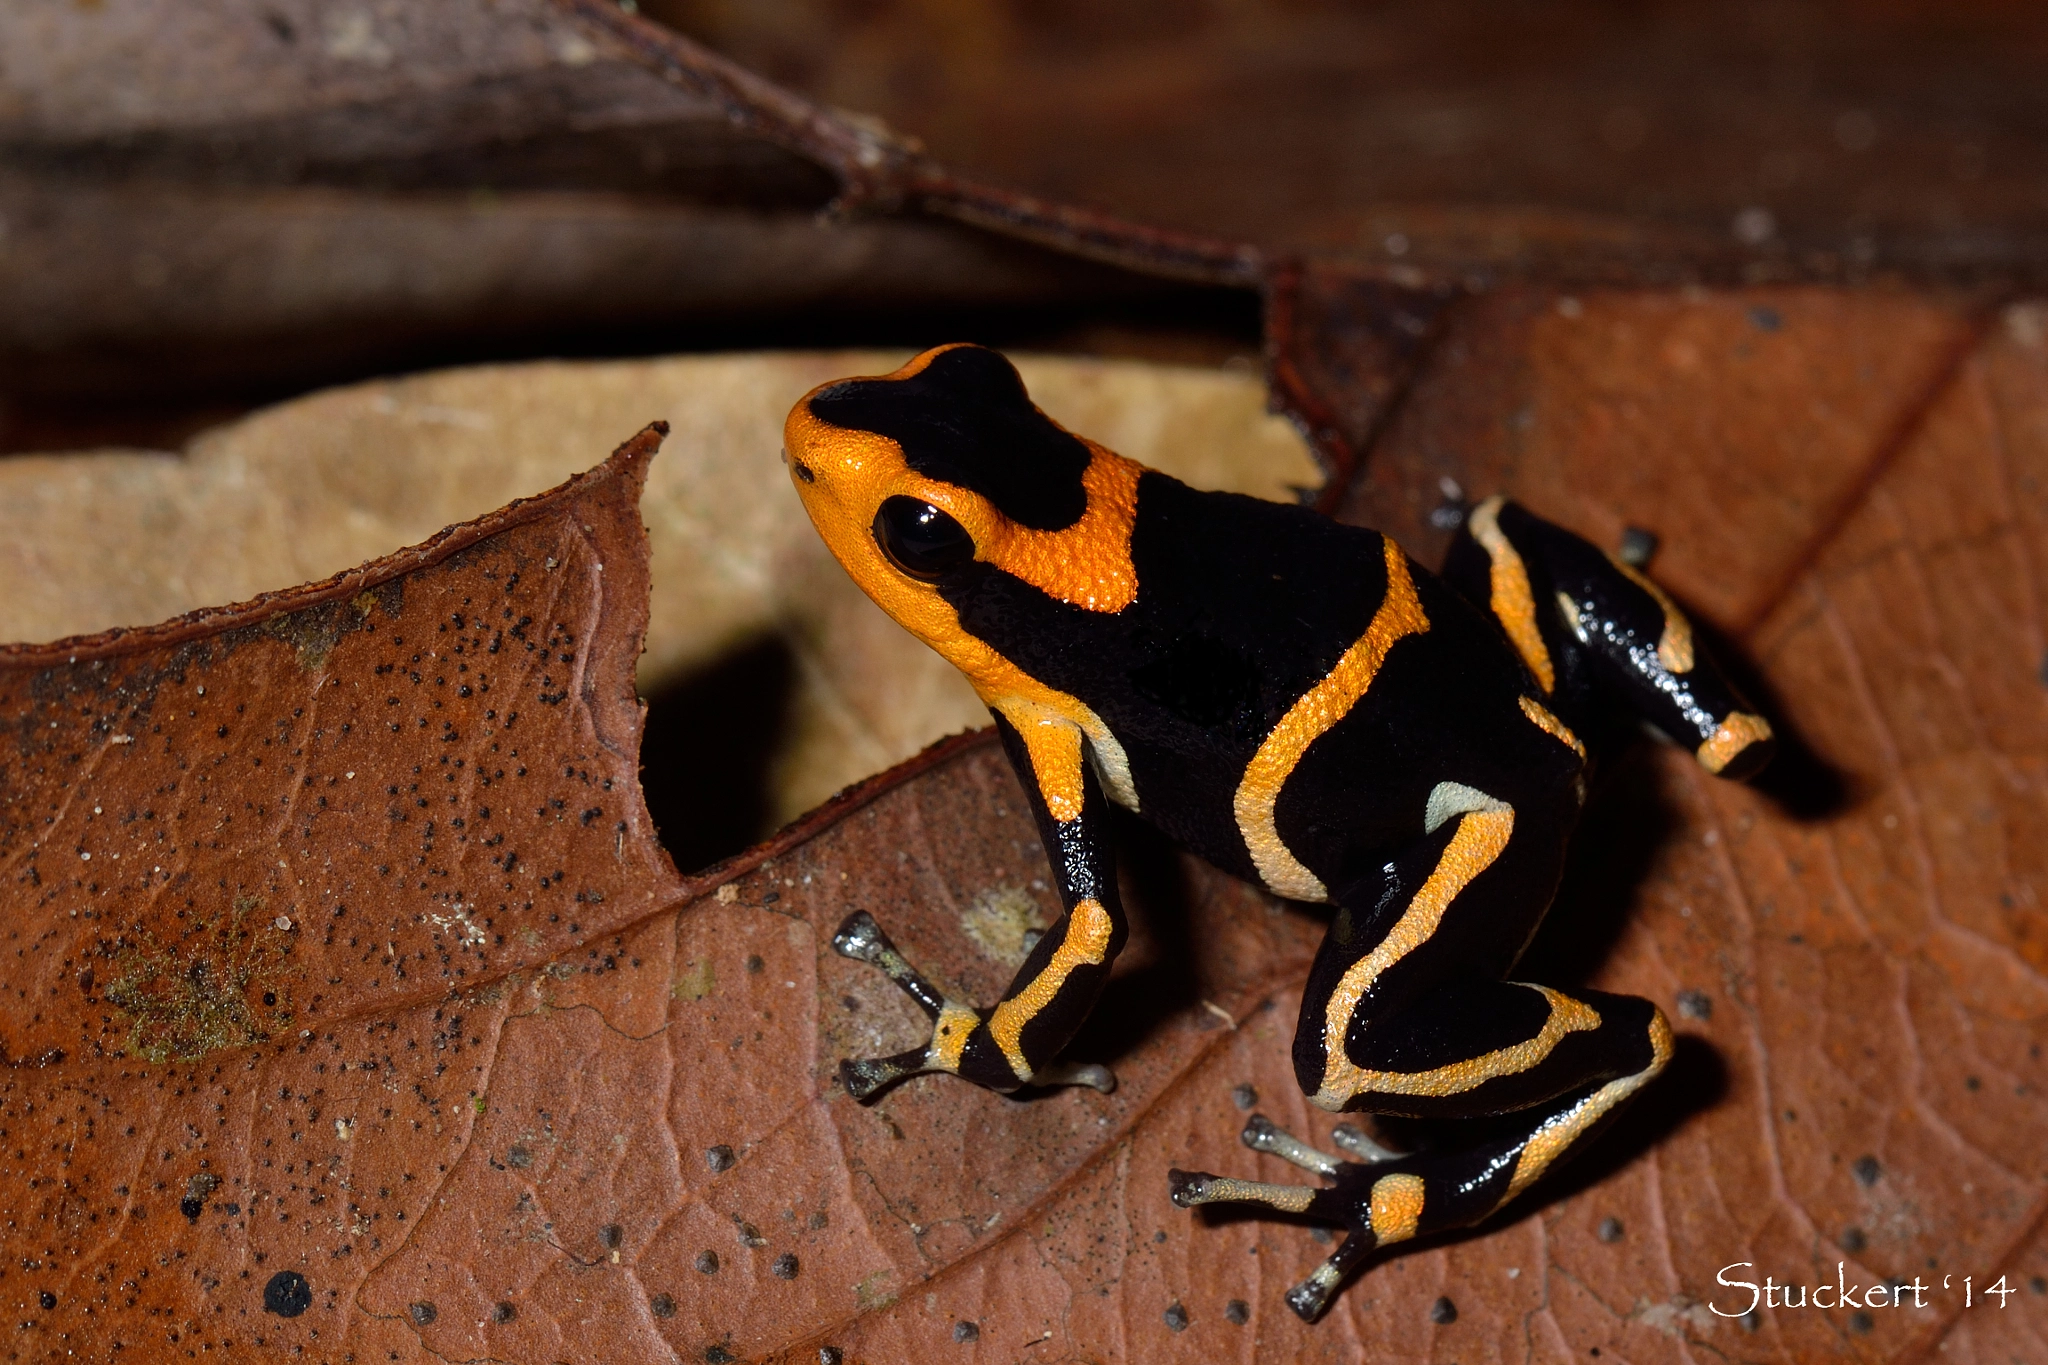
(209, 204)
(1901, 132)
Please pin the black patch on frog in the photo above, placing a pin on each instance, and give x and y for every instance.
(965, 419)
(1205, 682)
(1459, 1021)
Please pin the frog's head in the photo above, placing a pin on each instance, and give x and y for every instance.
(922, 479)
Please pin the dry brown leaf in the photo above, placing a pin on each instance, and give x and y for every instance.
(258, 860)
(201, 196)
(1861, 995)
(1847, 483)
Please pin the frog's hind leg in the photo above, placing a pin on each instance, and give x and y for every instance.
(1405, 1014)
(1391, 1198)
(1598, 635)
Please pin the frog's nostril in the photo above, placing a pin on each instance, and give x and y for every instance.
(803, 471)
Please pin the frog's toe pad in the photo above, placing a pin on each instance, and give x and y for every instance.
(1188, 1188)
(1312, 1296)
(865, 1077)
(860, 938)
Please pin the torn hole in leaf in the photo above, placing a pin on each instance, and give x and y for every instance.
(708, 754)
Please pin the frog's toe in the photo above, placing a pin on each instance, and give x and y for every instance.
(952, 1026)
(1360, 1147)
(1091, 1074)
(865, 1077)
(1309, 1298)
(861, 939)
(1261, 1134)
(1189, 1188)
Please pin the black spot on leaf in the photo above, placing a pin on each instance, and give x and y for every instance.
(287, 1294)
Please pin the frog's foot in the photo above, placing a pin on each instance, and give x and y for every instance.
(861, 939)
(954, 1026)
(1374, 1214)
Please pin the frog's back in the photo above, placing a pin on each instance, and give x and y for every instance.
(1263, 640)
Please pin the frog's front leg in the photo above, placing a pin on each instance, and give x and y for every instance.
(1017, 1042)
(1597, 634)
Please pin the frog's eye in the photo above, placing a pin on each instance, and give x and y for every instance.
(922, 541)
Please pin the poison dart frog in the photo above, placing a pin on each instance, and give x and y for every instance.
(1299, 702)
